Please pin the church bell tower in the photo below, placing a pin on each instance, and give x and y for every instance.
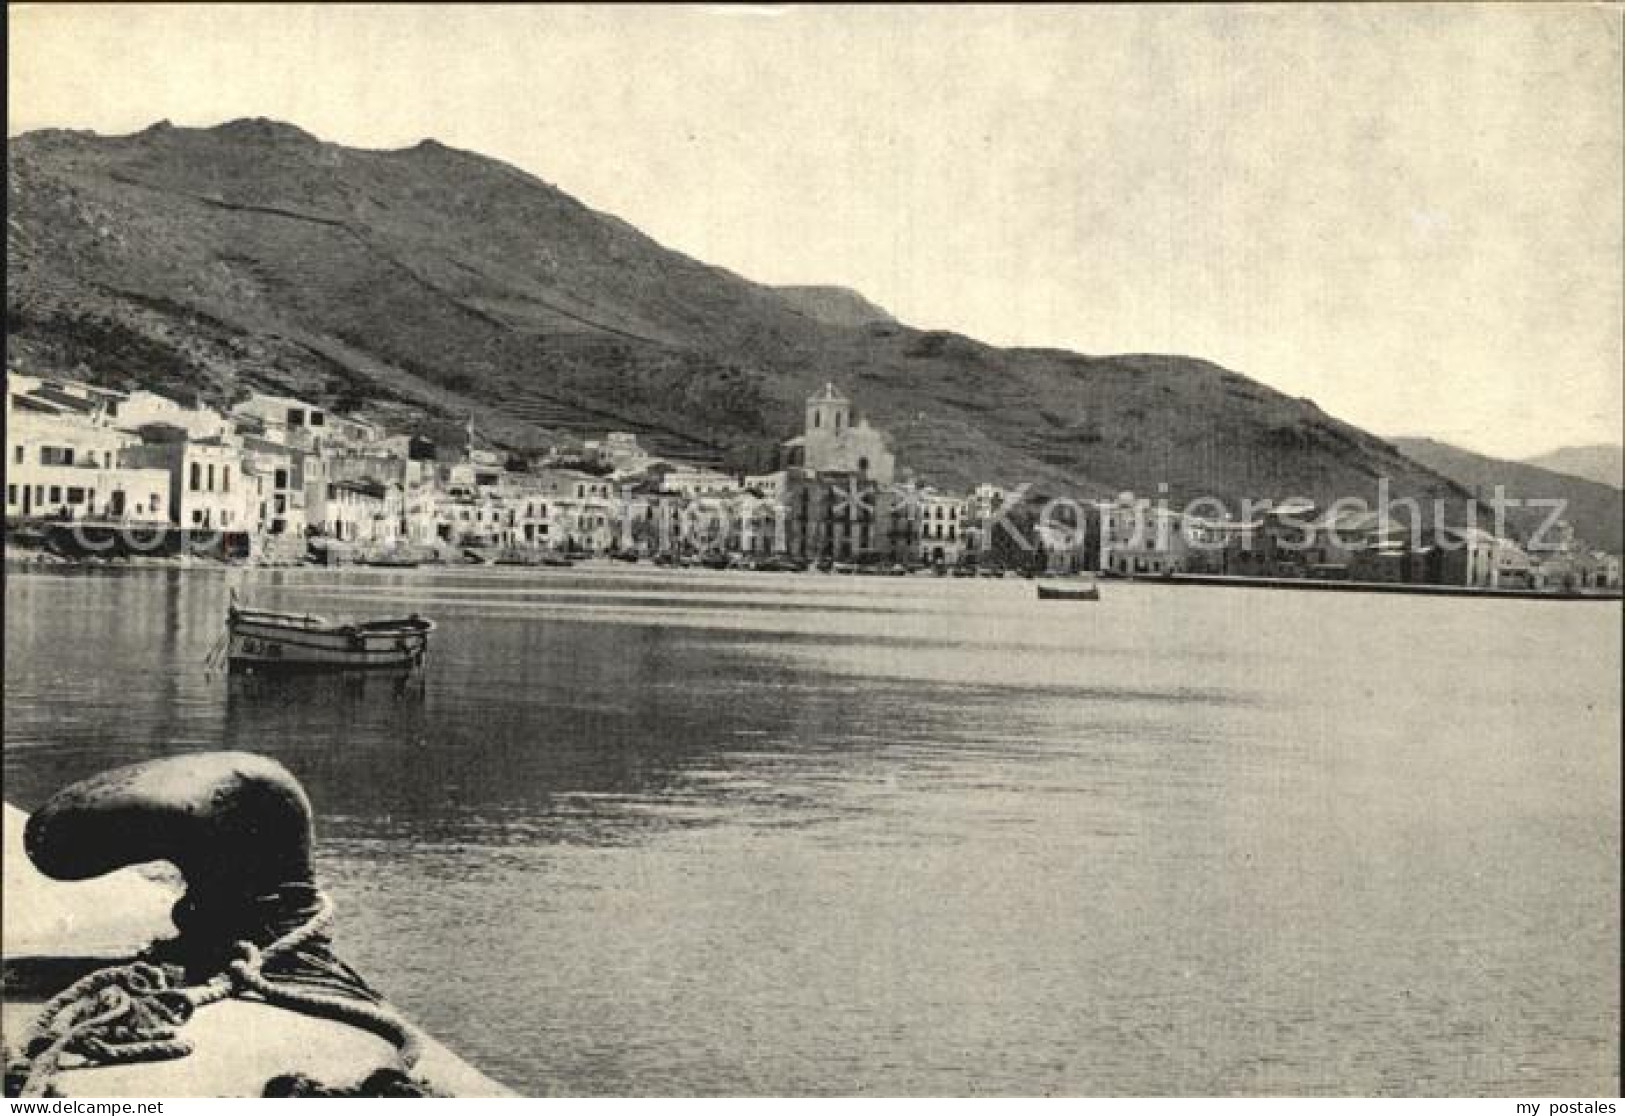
(829, 413)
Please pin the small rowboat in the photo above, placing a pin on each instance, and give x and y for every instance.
(258, 640)
(1069, 592)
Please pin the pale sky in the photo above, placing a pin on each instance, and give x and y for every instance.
(1411, 215)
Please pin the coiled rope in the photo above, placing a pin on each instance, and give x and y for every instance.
(134, 1012)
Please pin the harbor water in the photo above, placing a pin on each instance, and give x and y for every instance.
(642, 832)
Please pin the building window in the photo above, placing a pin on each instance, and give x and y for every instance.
(225, 478)
(211, 477)
(11, 495)
(56, 494)
(197, 476)
(18, 455)
(76, 495)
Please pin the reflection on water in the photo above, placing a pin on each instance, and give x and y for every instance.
(647, 833)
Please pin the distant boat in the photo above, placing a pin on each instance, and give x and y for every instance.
(515, 556)
(259, 640)
(391, 562)
(1089, 592)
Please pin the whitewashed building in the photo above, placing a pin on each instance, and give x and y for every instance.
(207, 487)
(363, 512)
(941, 525)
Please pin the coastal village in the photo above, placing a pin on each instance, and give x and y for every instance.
(100, 474)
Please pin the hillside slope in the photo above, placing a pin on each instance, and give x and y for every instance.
(1602, 464)
(837, 306)
(1595, 511)
(428, 281)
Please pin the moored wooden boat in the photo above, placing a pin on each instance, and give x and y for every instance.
(261, 640)
(1086, 592)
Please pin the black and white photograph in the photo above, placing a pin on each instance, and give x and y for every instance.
(813, 551)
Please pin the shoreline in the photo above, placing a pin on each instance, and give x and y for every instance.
(27, 557)
(1391, 587)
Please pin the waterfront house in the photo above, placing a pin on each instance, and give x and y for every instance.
(1139, 537)
(1271, 542)
(939, 522)
(60, 467)
(1384, 563)
(982, 509)
(365, 512)
(420, 513)
(1600, 570)
(207, 491)
(647, 519)
(533, 521)
(1514, 569)
(1559, 561)
(1469, 557)
(759, 524)
(63, 463)
(482, 520)
(571, 509)
(288, 478)
(584, 525)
